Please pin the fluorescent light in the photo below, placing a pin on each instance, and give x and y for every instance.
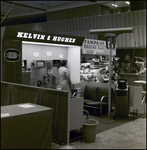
(115, 5)
(127, 2)
(39, 43)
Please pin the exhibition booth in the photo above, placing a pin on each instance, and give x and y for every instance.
(30, 63)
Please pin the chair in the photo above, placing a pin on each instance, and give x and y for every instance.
(96, 97)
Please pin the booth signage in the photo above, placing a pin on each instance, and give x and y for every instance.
(97, 47)
(36, 36)
(45, 37)
(12, 55)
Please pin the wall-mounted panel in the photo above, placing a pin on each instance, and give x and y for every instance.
(65, 25)
(81, 24)
(106, 22)
(136, 35)
(78, 24)
(132, 39)
(59, 26)
(91, 22)
(84, 23)
(99, 25)
(144, 36)
(128, 41)
(131, 18)
(123, 21)
(55, 30)
(51, 26)
(126, 18)
(87, 23)
(136, 19)
(118, 20)
(119, 37)
(95, 21)
(143, 17)
(110, 21)
(140, 37)
(62, 25)
(114, 20)
(103, 22)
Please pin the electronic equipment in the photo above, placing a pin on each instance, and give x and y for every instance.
(46, 72)
(56, 63)
(38, 64)
(122, 83)
(26, 77)
(24, 65)
(122, 105)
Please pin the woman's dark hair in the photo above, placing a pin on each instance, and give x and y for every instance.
(63, 62)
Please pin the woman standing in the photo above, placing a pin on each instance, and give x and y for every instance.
(65, 80)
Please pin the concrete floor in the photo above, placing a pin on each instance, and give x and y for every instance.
(131, 135)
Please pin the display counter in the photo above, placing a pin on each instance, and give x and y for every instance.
(131, 77)
(58, 100)
(26, 126)
(12, 93)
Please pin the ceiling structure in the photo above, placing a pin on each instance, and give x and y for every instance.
(11, 9)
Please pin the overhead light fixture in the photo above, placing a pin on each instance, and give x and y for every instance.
(115, 5)
(127, 2)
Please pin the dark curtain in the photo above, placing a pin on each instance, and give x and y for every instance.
(12, 93)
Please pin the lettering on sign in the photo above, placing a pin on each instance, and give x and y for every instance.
(97, 47)
(35, 36)
(12, 55)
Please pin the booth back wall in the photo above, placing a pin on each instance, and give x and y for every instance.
(29, 49)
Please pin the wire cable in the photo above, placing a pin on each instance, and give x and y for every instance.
(8, 12)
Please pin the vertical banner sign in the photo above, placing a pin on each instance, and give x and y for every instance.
(97, 47)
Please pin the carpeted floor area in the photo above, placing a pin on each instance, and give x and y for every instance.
(104, 123)
(128, 135)
(112, 133)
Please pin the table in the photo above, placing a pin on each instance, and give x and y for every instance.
(131, 77)
(26, 126)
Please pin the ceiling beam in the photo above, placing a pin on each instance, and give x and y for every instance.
(27, 6)
(25, 19)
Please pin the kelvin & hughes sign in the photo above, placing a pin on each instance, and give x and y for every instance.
(36, 36)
